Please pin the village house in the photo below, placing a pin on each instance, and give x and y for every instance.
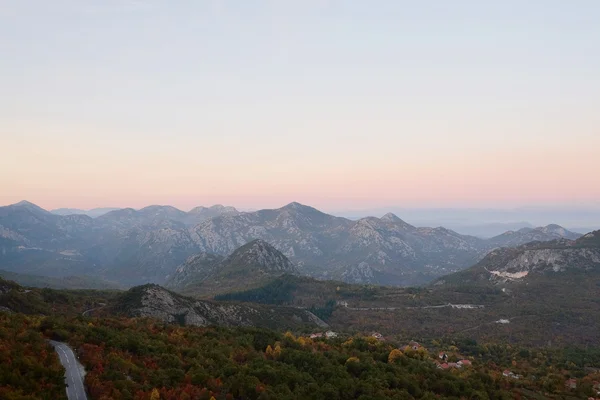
(330, 334)
(510, 374)
(414, 345)
(342, 303)
(316, 335)
(443, 356)
(378, 336)
(464, 363)
(571, 384)
(447, 365)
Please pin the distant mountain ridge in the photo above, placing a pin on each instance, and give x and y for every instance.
(539, 234)
(147, 245)
(94, 212)
(66, 282)
(194, 216)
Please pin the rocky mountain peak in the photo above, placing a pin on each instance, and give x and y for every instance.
(555, 229)
(250, 264)
(26, 205)
(259, 253)
(296, 207)
(391, 217)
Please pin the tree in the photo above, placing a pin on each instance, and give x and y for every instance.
(394, 355)
(155, 394)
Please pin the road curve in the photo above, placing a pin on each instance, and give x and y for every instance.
(73, 371)
(87, 312)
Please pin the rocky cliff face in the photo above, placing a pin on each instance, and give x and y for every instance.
(525, 262)
(156, 302)
(531, 261)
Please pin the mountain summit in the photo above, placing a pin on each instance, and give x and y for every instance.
(260, 256)
(250, 265)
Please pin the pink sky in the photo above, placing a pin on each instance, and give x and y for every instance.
(405, 104)
(61, 171)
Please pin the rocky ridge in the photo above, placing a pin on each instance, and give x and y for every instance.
(156, 302)
(506, 265)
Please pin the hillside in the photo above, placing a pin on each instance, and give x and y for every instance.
(158, 361)
(252, 265)
(162, 304)
(67, 282)
(15, 298)
(194, 270)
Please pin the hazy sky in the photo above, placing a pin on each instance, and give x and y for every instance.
(338, 104)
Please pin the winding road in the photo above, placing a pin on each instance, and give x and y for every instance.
(73, 371)
(87, 312)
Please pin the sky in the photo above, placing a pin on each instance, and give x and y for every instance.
(337, 104)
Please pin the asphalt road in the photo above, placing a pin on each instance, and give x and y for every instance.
(73, 376)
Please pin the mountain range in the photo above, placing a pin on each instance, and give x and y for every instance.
(148, 245)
